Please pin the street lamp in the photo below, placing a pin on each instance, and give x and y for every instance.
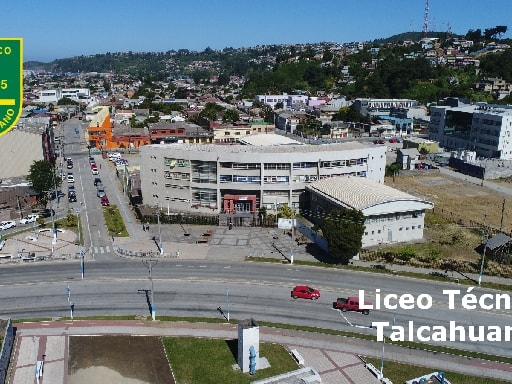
(227, 301)
(80, 251)
(149, 264)
(159, 233)
(71, 304)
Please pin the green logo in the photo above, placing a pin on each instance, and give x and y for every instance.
(11, 82)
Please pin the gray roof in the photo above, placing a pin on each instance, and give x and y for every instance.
(409, 151)
(498, 241)
(346, 146)
(360, 193)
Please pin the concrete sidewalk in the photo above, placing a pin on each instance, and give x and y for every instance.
(334, 357)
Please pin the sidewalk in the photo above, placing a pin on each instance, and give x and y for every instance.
(334, 357)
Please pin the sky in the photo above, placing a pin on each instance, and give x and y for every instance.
(56, 29)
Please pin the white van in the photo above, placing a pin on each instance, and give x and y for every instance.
(114, 155)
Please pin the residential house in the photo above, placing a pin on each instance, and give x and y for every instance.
(408, 158)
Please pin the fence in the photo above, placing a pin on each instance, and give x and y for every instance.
(454, 218)
(5, 353)
(128, 253)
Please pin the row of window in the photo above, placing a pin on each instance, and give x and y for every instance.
(176, 175)
(394, 216)
(413, 227)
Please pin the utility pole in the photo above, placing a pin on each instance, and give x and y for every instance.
(484, 236)
(149, 265)
(502, 213)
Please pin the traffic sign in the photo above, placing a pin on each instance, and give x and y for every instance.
(11, 82)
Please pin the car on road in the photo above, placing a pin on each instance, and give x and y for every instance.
(305, 292)
(94, 170)
(70, 178)
(104, 201)
(91, 160)
(378, 142)
(97, 181)
(6, 224)
(29, 219)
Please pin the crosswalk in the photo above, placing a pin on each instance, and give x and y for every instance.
(100, 250)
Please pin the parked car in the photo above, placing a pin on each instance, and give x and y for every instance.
(100, 191)
(48, 213)
(305, 292)
(91, 160)
(70, 165)
(71, 196)
(29, 219)
(104, 201)
(114, 155)
(97, 181)
(70, 178)
(95, 171)
(7, 224)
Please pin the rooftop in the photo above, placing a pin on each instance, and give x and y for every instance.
(288, 148)
(359, 192)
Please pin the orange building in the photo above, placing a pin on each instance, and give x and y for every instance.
(100, 130)
(102, 135)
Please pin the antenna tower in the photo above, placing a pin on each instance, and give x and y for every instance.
(425, 20)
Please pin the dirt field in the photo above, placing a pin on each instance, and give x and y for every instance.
(465, 200)
(118, 359)
(455, 232)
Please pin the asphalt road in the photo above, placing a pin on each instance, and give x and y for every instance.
(261, 291)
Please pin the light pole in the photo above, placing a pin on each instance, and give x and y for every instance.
(227, 301)
(80, 251)
(71, 304)
(382, 359)
(149, 264)
(159, 233)
(292, 229)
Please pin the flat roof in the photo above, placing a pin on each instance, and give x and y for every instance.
(268, 139)
(237, 148)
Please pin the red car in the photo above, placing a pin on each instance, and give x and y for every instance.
(305, 292)
(104, 201)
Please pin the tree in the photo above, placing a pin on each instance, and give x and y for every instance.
(67, 101)
(230, 116)
(343, 230)
(43, 176)
(285, 212)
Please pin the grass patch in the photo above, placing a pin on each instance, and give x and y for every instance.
(188, 355)
(400, 373)
(114, 221)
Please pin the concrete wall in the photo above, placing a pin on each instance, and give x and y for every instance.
(248, 336)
